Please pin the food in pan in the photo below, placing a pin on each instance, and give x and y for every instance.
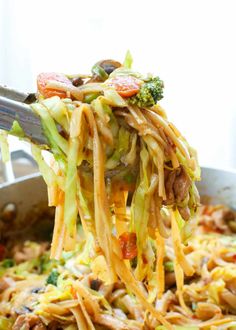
(39, 293)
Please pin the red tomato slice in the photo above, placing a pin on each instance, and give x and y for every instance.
(126, 86)
(43, 79)
(2, 251)
(128, 245)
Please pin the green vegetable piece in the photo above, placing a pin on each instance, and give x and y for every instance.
(128, 60)
(150, 92)
(90, 97)
(26, 267)
(169, 266)
(48, 174)
(46, 264)
(53, 277)
(17, 130)
(58, 143)
(140, 212)
(122, 147)
(7, 263)
(98, 71)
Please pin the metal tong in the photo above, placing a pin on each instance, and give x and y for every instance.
(14, 106)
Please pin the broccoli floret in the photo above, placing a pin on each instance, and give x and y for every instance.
(150, 92)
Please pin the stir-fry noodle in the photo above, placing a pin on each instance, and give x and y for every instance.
(37, 292)
(122, 179)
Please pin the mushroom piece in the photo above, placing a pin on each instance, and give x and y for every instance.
(109, 65)
(102, 69)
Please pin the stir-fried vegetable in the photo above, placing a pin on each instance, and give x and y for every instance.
(128, 245)
(46, 91)
(128, 60)
(53, 277)
(126, 86)
(149, 93)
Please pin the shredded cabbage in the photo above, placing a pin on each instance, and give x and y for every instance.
(4, 147)
(128, 60)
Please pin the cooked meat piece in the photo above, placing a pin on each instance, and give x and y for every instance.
(177, 184)
(218, 218)
(28, 251)
(170, 279)
(28, 322)
(230, 219)
(219, 221)
(184, 212)
(229, 215)
(169, 182)
(181, 185)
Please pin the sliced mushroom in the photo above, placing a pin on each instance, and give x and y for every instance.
(102, 69)
(109, 65)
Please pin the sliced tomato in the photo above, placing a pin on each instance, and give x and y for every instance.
(43, 79)
(2, 251)
(126, 86)
(128, 245)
